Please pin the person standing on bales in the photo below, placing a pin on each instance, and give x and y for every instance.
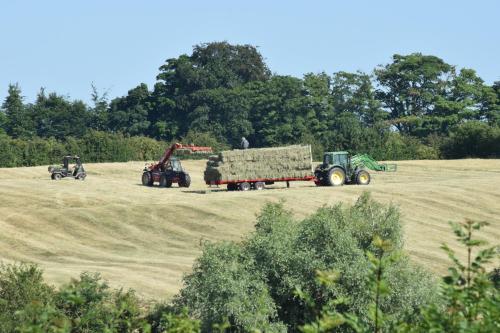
(244, 143)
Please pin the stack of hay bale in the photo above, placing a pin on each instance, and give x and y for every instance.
(262, 163)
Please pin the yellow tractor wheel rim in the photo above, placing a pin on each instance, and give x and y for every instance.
(363, 178)
(337, 178)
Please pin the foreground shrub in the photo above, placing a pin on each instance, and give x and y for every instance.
(471, 299)
(21, 286)
(253, 284)
(85, 305)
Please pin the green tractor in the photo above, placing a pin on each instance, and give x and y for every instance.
(339, 168)
(61, 171)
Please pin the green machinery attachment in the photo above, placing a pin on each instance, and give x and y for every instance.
(365, 160)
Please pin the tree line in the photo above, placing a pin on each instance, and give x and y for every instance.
(341, 269)
(416, 106)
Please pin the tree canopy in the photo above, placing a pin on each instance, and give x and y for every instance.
(416, 102)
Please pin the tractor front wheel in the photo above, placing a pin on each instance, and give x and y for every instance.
(336, 177)
(147, 179)
(363, 177)
(185, 181)
(165, 181)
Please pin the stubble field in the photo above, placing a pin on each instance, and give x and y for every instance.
(147, 238)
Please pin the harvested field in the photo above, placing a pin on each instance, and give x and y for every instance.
(261, 163)
(146, 238)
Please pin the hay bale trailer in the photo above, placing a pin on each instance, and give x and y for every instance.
(249, 169)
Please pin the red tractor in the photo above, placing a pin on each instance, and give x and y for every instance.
(169, 169)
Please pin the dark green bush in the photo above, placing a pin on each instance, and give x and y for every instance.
(91, 306)
(94, 146)
(255, 282)
(473, 139)
(21, 286)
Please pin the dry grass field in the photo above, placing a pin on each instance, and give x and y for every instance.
(146, 238)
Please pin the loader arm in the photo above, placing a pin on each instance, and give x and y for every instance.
(364, 160)
(177, 146)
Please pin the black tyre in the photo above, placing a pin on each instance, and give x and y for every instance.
(259, 186)
(363, 177)
(165, 181)
(185, 181)
(336, 177)
(232, 187)
(147, 179)
(56, 176)
(244, 186)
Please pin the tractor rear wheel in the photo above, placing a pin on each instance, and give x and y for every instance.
(185, 181)
(363, 177)
(245, 186)
(147, 179)
(336, 177)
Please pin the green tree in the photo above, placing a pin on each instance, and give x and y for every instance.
(56, 116)
(409, 87)
(493, 105)
(98, 112)
(129, 114)
(18, 122)
(354, 93)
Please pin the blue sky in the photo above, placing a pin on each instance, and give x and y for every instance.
(64, 46)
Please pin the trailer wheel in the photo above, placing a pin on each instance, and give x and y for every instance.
(336, 177)
(259, 186)
(147, 179)
(232, 187)
(56, 176)
(245, 186)
(185, 181)
(363, 177)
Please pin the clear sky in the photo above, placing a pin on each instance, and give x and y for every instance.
(65, 45)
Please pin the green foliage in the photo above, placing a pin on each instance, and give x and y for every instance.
(91, 306)
(179, 323)
(204, 139)
(284, 255)
(471, 301)
(17, 121)
(330, 319)
(87, 304)
(223, 285)
(21, 286)
(473, 138)
(221, 92)
(94, 146)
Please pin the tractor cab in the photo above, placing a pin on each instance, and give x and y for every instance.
(337, 158)
(173, 164)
